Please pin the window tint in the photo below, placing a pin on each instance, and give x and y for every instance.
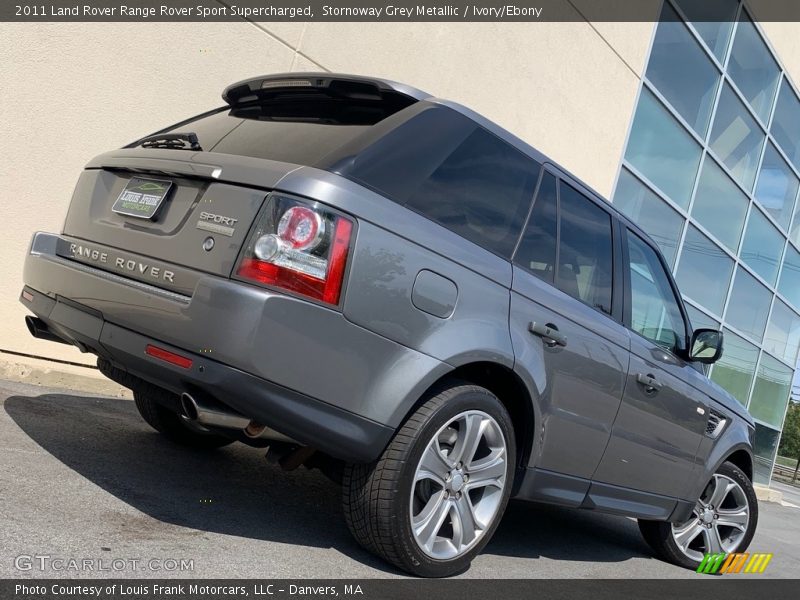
(585, 264)
(537, 251)
(482, 191)
(294, 141)
(655, 313)
(448, 168)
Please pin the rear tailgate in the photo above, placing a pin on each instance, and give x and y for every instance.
(197, 207)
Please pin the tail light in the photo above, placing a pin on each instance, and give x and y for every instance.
(298, 246)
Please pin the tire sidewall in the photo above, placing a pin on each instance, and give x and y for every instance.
(471, 398)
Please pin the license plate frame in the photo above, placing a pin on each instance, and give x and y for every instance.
(142, 198)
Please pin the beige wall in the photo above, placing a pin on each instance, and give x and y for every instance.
(71, 91)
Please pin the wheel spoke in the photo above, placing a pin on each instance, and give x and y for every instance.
(434, 464)
(465, 526)
(488, 471)
(712, 540)
(468, 439)
(430, 519)
(736, 518)
(686, 534)
(722, 487)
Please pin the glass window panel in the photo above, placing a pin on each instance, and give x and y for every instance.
(585, 259)
(655, 312)
(789, 285)
(682, 71)
(662, 150)
(700, 320)
(736, 138)
(794, 231)
(784, 123)
(764, 447)
(649, 212)
(719, 205)
(713, 20)
(704, 272)
(753, 69)
(762, 246)
(537, 251)
(777, 187)
(783, 333)
(737, 367)
(771, 392)
(748, 306)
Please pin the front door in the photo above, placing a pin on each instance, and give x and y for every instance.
(662, 418)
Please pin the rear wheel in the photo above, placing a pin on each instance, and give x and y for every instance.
(724, 519)
(150, 402)
(435, 497)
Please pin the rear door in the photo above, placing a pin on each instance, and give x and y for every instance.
(662, 418)
(567, 342)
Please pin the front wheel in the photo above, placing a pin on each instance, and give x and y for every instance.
(723, 520)
(436, 495)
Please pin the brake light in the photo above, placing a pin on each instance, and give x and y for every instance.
(299, 247)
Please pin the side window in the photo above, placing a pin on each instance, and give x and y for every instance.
(585, 252)
(537, 250)
(655, 313)
(481, 191)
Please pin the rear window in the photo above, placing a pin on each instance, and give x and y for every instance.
(445, 166)
(297, 127)
(286, 141)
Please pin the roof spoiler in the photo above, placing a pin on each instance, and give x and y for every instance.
(336, 84)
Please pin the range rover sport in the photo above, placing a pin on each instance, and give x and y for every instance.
(391, 288)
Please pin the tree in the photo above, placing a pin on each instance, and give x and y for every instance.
(790, 438)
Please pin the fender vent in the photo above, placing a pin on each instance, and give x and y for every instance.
(716, 423)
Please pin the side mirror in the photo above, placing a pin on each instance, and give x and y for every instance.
(706, 346)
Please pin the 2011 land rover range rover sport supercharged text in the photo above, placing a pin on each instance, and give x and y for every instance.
(393, 289)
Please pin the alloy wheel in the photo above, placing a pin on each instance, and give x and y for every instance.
(458, 485)
(719, 520)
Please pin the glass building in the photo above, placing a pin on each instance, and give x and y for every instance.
(711, 171)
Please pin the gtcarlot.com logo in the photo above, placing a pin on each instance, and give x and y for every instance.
(45, 562)
(736, 562)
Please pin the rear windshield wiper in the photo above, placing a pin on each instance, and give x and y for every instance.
(171, 141)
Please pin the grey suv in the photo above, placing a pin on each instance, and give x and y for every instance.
(393, 289)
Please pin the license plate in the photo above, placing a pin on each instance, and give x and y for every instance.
(142, 198)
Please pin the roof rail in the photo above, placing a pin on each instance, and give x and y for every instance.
(347, 86)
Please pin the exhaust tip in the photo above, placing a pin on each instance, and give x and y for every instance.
(30, 323)
(189, 407)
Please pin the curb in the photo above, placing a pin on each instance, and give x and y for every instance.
(50, 374)
(767, 494)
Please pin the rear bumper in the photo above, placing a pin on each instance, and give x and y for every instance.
(333, 430)
(300, 368)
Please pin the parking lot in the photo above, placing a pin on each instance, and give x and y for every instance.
(83, 478)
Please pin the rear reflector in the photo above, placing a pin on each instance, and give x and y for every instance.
(27, 296)
(167, 356)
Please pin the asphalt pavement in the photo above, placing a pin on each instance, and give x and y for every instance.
(84, 481)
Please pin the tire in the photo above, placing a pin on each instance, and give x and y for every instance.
(169, 423)
(698, 537)
(381, 498)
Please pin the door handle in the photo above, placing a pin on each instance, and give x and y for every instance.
(549, 334)
(649, 382)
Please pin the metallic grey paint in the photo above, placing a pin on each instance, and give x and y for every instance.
(419, 302)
